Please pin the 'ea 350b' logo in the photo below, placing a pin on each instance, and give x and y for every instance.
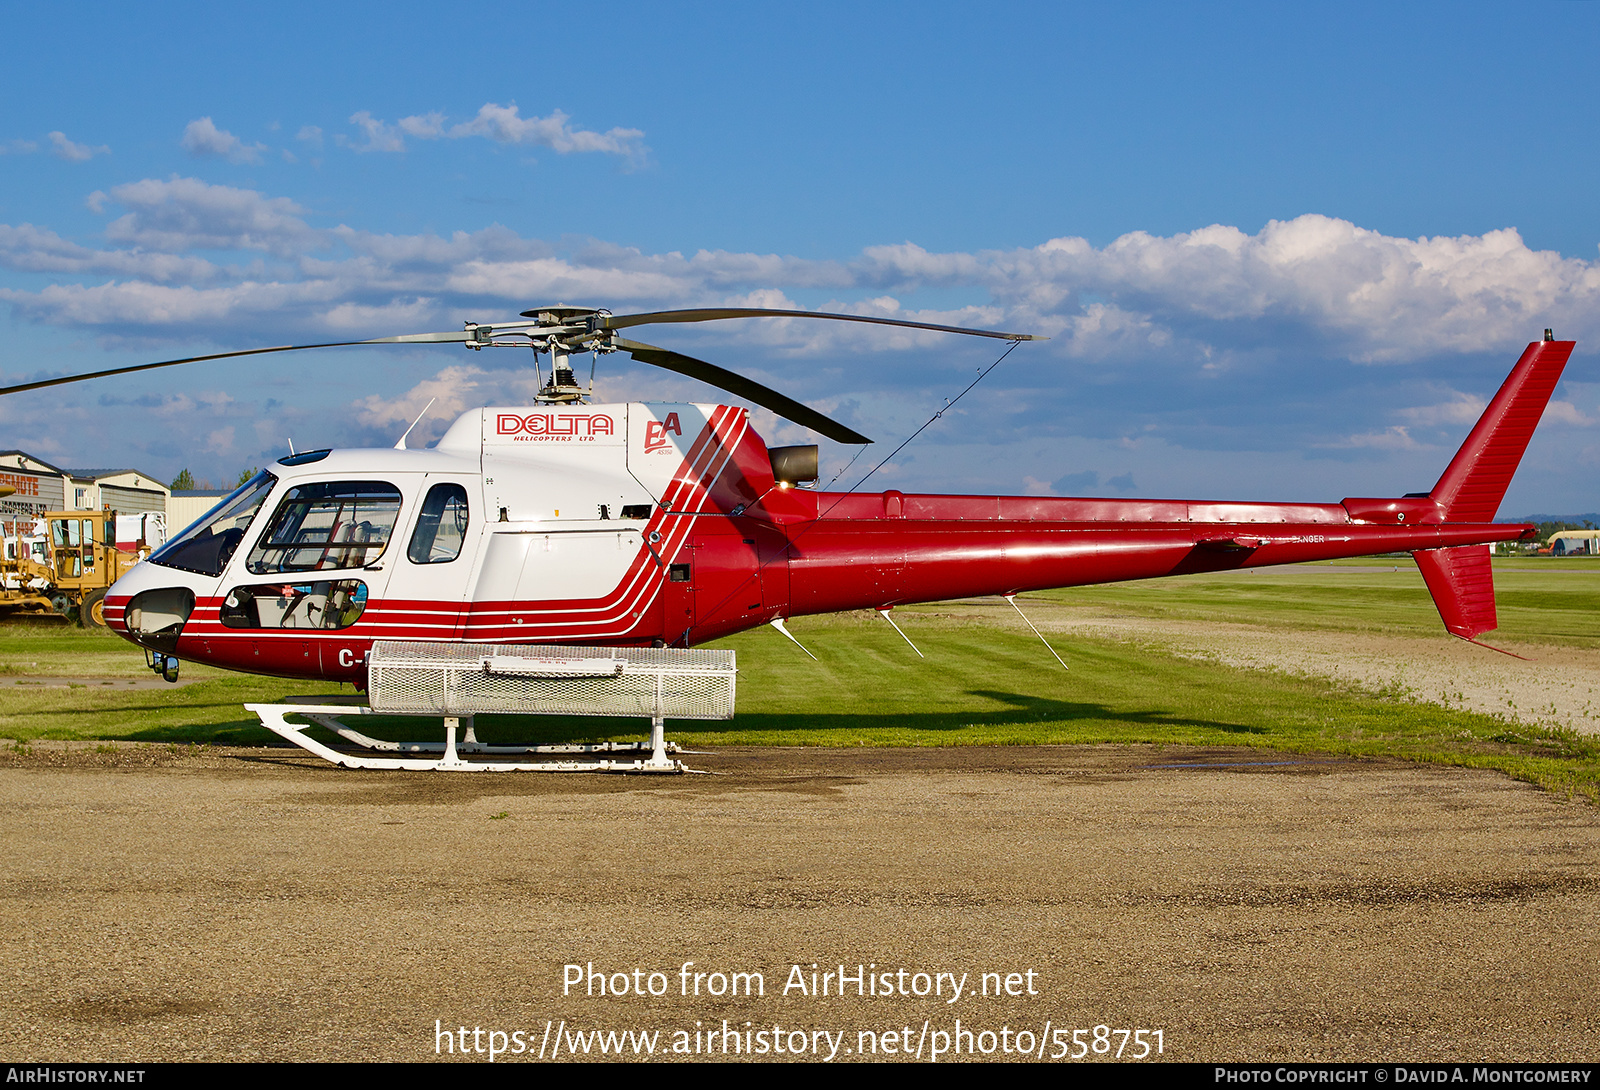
(554, 426)
(655, 433)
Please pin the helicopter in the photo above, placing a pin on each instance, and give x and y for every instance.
(577, 524)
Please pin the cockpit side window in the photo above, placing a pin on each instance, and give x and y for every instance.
(441, 526)
(330, 604)
(208, 545)
(333, 524)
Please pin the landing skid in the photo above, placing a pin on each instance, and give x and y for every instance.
(456, 681)
(654, 753)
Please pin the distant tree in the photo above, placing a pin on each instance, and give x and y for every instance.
(183, 482)
(246, 474)
(1555, 527)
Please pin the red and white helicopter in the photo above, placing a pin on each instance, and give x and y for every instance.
(670, 525)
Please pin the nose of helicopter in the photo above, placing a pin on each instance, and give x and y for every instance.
(151, 603)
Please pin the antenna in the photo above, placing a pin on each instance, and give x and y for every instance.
(883, 611)
(291, 446)
(1012, 598)
(401, 444)
(777, 622)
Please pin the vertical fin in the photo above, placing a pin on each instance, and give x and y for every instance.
(1476, 480)
(1462, 586)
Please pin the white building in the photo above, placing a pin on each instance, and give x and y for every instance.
(185, 507)
(40, 487)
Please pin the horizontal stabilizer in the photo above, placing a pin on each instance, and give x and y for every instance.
(1462, 586)
(1477, 478)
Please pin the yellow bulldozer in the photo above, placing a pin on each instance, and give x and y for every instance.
(67, 572)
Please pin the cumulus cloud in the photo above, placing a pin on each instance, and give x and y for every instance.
(137, 306)
(428, 126)
(505, 125)
(202, 138)
(1205, 301)
(1216, 334)
(27, 248)
(379, 135)
(1396, 437)
(1375, 297)
(181, 214)
(451, 392)
(1460, 409)
(63, 148)
(1565, 412)
(502, 124)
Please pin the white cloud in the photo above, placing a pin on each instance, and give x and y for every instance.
(379, 135)
(311, 134)
(452, 392)
(505, 125)
(62, 148)
(427, 126)
(181, 214)
(1565, 412)
(32, 249)
(140, 306)
(1460, 409)
(1378, 298)
(502, 124)
(201, 138)
(220, 441)
(19, 147)
(355, 318)
(1396, 437)
(1147, 309)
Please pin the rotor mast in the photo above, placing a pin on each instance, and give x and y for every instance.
(560, 331)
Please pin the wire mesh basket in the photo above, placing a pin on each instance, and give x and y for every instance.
(411, 677)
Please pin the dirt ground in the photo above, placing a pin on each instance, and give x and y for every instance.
(256, 904)
(1548, 686)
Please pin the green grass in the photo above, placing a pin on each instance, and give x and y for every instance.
(985, 680)
(1541, 601)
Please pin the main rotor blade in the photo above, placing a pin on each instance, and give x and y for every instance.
(622, 321)
(739, 386)
(410, 338)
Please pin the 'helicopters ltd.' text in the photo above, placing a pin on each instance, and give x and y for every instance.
(901, 990)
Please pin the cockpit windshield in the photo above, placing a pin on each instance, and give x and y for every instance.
(206, 547)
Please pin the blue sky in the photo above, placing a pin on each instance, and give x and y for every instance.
(1283, 251)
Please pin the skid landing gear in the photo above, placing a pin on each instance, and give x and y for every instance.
(456, 681)
(653, 756)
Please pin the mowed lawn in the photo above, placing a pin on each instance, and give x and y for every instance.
(1539, 600)
(986, 680)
